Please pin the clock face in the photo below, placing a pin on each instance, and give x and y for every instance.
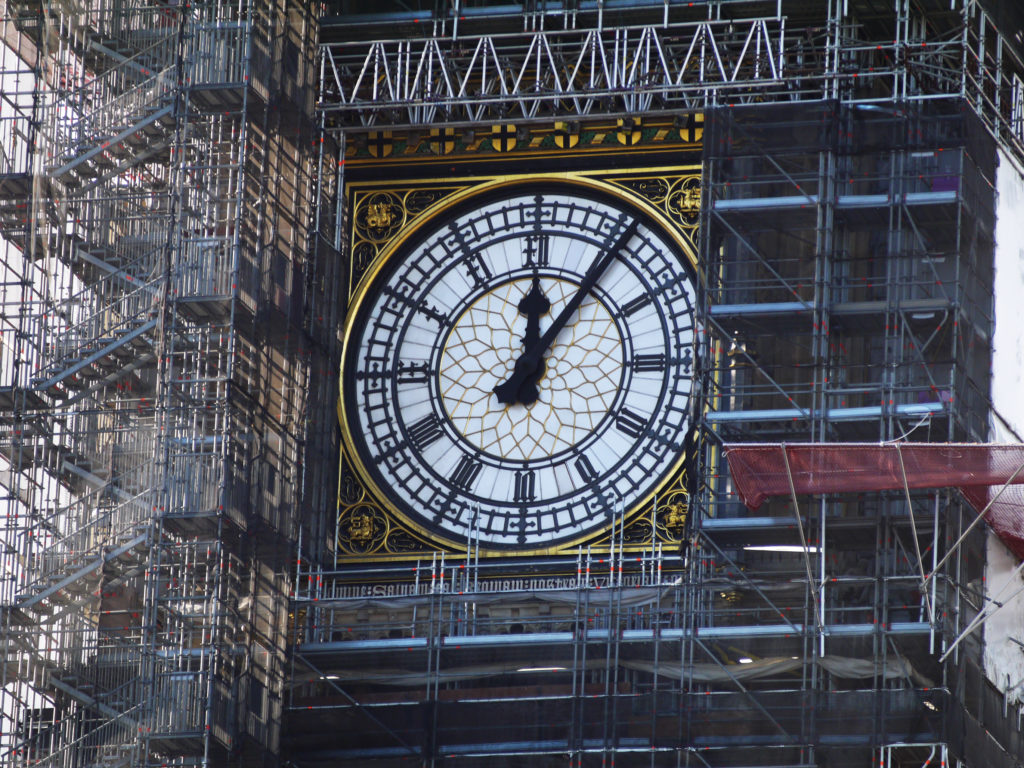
(519, 372)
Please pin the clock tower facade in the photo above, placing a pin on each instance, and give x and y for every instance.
(587, 249)
(519, 345)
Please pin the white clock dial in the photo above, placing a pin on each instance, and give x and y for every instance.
(522, 369)
(583, 373)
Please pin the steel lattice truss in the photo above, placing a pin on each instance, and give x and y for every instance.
(546, 74)
(627, 71)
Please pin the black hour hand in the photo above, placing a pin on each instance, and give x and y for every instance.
(521, 385)
(533, 305)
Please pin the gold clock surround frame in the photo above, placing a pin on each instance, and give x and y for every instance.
(384, 216)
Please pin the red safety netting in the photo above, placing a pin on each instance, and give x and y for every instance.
(979, 471)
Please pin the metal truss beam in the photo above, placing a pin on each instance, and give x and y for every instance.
(545, 74)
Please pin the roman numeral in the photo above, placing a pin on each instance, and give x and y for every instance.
(405, 373)
(643, 363)
(586, 469)
(465, 473)
(526, 486)
(478, 270)
(538, 251)
(425, 431)
(374, 375)
(413, 373)
(636, 304)
(420, 306)
(630, 423)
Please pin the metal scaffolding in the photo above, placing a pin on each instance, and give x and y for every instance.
(847, 246)
(166, 359)
(710, 657)
(171, 221)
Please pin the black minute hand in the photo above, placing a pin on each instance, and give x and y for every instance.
(529, 363)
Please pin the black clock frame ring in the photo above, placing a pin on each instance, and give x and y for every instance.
(606, 435)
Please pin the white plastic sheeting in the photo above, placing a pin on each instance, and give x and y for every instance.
(839, 666)
(1004, 661)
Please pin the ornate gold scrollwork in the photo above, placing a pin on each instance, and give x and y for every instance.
(378, 216)
(683, 201)
(364, 527)
(361, 529)
(678, 197)
(673, 508)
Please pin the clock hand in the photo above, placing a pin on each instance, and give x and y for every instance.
(533, 305)
(521, 385)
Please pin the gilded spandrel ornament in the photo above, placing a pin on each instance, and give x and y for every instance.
(378, 217)
(400, 542)
(363, 255)
(364, 528)
(638, 532)
(673, 509)
(350, 491)
(678, 197)
(361, 529)
(683, 201)
(674, 519)
(654, 190)
(418, 200)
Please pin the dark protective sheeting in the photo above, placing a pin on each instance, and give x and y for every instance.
(979, 471)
